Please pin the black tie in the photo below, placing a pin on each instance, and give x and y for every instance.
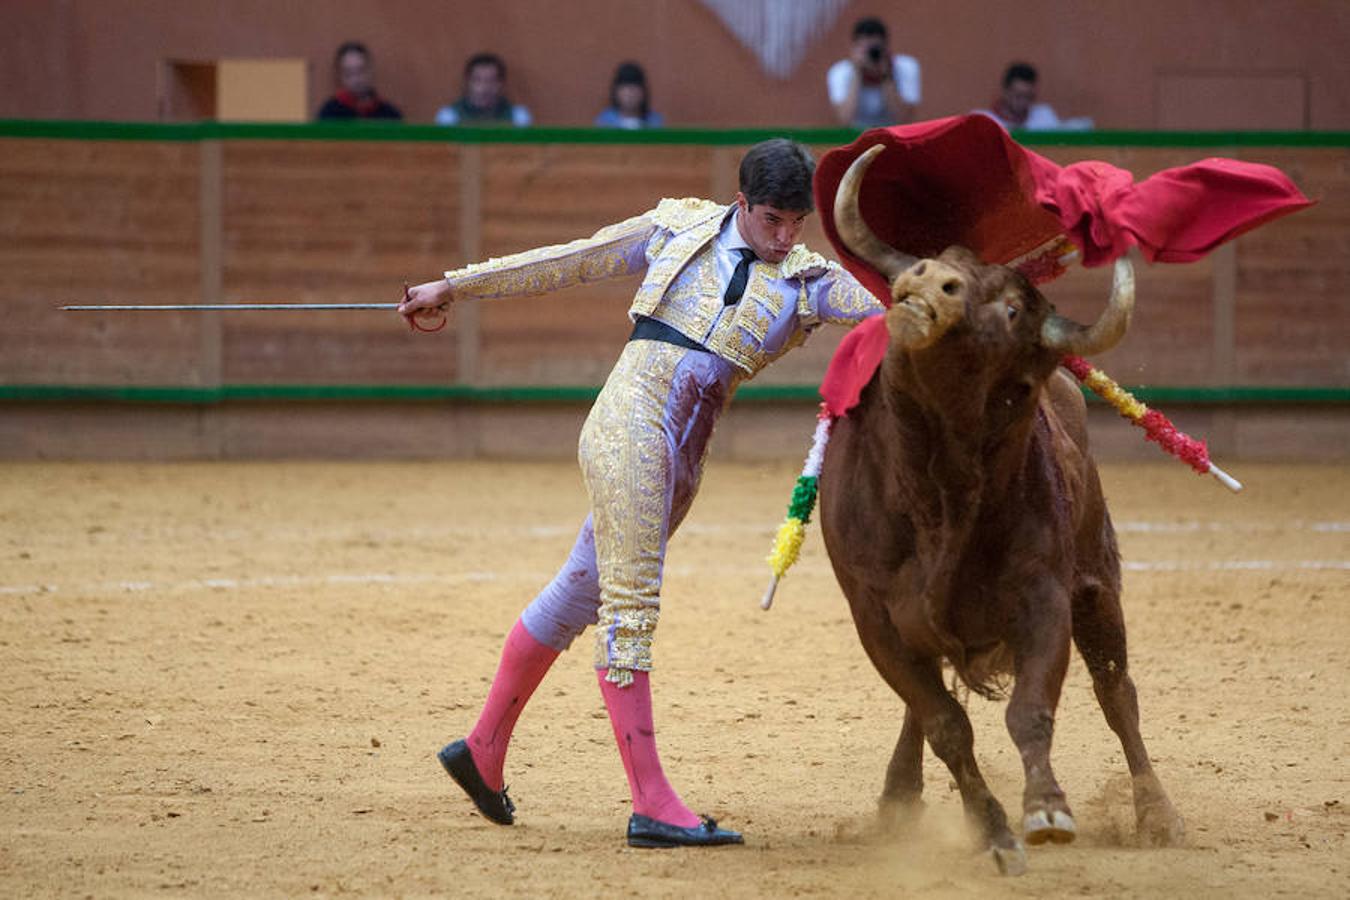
(736, 286)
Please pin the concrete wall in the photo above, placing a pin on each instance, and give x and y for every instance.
(1132, 64)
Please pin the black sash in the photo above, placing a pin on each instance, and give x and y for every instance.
(646, 329)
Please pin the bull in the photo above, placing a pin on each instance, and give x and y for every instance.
(965, 522)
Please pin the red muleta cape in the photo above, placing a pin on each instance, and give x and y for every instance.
(963, 180)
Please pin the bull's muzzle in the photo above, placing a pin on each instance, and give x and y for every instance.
(930, 297)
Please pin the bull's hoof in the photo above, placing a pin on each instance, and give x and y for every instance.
(1011, 860)
(1054, 826)
(1158, 824)
(898, 815)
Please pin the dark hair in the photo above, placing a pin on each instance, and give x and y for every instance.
(869, 27)
(485, 59)
(349, 47)
(1019, 71)
(630, 73)
(778, 172)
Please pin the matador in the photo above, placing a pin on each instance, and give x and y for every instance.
(726, 290)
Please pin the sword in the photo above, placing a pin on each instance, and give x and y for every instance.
(252, 307)
(229, 307)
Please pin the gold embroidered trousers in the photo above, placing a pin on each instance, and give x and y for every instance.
(641, 455)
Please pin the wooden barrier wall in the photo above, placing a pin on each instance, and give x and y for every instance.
(239, 220)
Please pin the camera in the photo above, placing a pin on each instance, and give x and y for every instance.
(875, 53)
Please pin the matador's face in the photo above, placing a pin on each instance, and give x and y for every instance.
(771, 232)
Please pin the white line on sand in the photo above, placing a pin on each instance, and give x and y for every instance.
(564, 531)
(451, 579)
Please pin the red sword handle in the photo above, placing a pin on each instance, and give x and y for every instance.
(412, 320)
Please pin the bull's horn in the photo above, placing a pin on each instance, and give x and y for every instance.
(857, 237)
(1067, 336)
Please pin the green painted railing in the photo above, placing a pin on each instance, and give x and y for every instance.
(566, 394)
(395, 131)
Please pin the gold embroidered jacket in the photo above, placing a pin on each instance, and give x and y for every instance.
(782, 304)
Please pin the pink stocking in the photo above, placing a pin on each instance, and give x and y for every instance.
(524, 663)
(630, 712)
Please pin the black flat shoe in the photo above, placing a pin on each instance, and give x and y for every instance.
(644, 831)
(459, 763)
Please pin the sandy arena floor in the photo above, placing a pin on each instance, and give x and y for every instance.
(230, 680)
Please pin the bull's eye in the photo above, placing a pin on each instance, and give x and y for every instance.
(950, 287)
(1012, 312)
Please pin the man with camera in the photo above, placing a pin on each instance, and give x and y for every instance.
(873, 88)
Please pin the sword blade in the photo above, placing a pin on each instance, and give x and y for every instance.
(230, 307)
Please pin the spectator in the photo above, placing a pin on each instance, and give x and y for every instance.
(629, 101)
(356, 97)
(873, 87)
(484, 100)
(1016, 106)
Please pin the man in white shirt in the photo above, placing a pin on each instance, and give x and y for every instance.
(1016, 106)
(484, 101)
(873, 88)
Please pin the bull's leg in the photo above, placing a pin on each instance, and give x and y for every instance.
(1041, 656)
(953, 740)
(903, 792)
(931, 711)
(1099, 632)
(936, 714)
(893, 661)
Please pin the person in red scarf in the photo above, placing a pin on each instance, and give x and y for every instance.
(356, 97)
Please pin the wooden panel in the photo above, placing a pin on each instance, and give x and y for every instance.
(262, 90)
(106, 432)
(335, 222)
(97, 223)
(1171, 336)
(749, 431)
(1293, 318)
(1292, 433)
(187, 91)
(539, 195)
(109, 222)
(344, 431)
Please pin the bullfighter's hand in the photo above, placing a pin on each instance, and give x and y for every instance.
(427, 301)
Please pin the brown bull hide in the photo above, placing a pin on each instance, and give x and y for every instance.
(965, 521)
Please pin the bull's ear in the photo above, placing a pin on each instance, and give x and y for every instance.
(1067, 336)
(855, 233)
